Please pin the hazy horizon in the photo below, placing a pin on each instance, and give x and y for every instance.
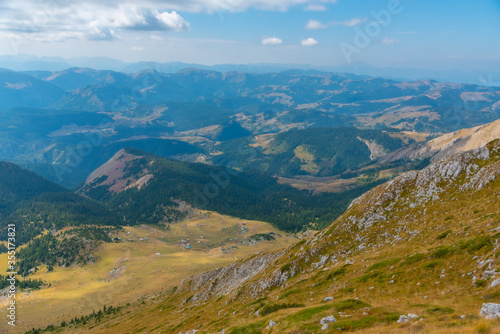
(449, 35)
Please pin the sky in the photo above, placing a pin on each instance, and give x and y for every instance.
(437, 35)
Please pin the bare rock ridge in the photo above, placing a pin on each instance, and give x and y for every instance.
(114, 174)
(376, 150)
(448, 144)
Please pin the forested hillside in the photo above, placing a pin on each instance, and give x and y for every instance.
(148, 187)
(313, 151)
(36, 205)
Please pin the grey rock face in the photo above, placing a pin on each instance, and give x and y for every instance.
(403, 319)
(489, 273)
(224, 281)
(495, 283)
(490, 311)
(327, 320)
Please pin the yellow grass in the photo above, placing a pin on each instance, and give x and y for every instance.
(76, 291)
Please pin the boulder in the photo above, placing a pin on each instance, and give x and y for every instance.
(490, 311)
(403, 319)
(495, 283)
(413, 316)
(328, 299)
(327, 320)
(489, 273)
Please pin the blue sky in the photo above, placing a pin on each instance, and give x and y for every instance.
(443, 34)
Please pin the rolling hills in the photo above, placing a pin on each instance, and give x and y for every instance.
(145, 188)
(84, 110)
(17, 89)
(312, 151)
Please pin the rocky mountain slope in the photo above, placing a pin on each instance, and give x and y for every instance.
(448, 144)
(418, 253)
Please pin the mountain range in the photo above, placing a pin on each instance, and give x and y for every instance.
(24, 62)
(64, 124)
(297, 201)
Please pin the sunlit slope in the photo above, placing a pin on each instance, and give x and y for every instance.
(147, 261)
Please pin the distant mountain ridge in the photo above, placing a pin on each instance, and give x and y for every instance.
(34, 63)
(18, 89)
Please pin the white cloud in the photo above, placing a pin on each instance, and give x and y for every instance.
(137, 48)
(172, 21)
(313, 25)
(131, 18)
(315, 8)
(30, 7)
(389, 40)
(309, 42)
(347, 23)
(85, 20)
(271, 41)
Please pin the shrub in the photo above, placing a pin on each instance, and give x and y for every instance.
(442, 252)
(307, 314)
(289, 292)
(366, 277)
(248, 329)
(480, 283)
(350, 304)
(337, 272)
(285, 267)
(356, 324)
(440, 310)
(413, 259)
(476, 244)
(385, 263)
(432, 264)
(270, 308)
(443, 235)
